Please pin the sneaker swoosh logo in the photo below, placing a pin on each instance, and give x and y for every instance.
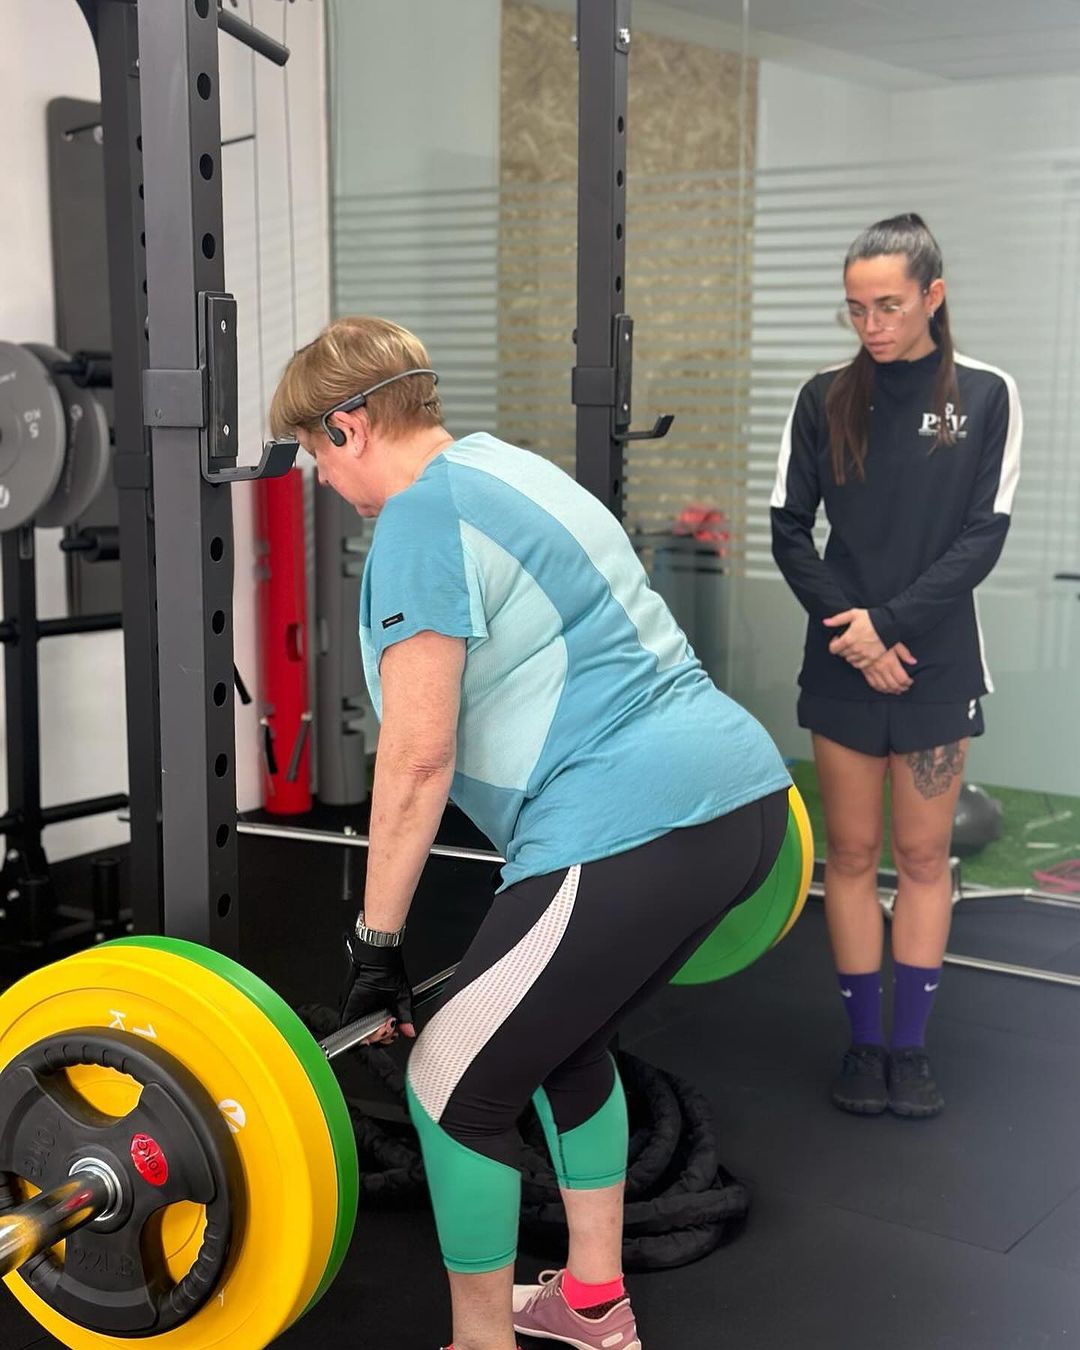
(929, 988)
(847, 993)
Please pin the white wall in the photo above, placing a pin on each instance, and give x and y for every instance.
(1007, 116)
(805, 118)
(415, 94)
(270, 237)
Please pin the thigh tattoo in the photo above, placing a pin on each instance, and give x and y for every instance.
(935, 770)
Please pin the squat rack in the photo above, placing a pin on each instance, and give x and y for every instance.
(174, 378)
(174, 362)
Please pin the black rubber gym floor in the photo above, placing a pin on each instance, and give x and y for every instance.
(956, 1234)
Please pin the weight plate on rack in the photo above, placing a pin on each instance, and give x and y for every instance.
(32, 436)
(88, 454)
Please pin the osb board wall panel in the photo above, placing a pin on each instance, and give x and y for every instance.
(690, 128)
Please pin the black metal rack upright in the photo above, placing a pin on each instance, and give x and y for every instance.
(174, 383)
(115, 29)
(603, 373)
(185, 264)
(603, 40)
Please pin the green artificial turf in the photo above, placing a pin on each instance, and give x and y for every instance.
(1008, 861)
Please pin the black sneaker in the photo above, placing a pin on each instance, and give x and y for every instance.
(860, 1087)
(912, 1090)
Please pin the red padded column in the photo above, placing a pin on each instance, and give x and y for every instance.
(285, 712)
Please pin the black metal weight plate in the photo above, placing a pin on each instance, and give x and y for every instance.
(172, 1147)
(32, 436)
(87, 455)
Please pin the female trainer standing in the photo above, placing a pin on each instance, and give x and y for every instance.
(915, 451)
(520, 662)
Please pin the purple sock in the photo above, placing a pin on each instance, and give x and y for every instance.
(914, 988)
(862, 1002)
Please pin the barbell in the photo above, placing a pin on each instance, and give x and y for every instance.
(177, 1160)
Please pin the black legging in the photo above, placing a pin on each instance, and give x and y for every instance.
(558, 963)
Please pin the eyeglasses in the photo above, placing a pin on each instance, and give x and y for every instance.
(890, 313)
(358, 401)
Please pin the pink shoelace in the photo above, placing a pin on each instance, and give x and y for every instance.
(549, 1286)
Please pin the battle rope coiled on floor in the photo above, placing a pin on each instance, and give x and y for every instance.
(681, 1203)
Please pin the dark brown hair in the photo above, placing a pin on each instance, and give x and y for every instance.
(847, 404)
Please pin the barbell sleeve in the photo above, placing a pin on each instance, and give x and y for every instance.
(52, 1216)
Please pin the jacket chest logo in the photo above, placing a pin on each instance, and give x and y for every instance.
(931, 423)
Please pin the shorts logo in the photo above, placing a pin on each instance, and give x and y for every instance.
(973, 708)
(393, 619)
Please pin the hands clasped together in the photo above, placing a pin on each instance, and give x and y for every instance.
(884, 668)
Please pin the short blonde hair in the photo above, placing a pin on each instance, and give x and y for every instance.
(348, 356)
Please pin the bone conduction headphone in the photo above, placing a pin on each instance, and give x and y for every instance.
(336, 435)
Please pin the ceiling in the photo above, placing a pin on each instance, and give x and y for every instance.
(945, 39)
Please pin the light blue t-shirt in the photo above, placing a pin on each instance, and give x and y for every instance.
(587, 724)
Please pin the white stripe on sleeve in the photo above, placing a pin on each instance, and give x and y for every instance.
(1010, 460)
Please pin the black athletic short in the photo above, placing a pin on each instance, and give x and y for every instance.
(891, 725)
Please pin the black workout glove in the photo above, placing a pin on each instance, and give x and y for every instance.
(375, 982)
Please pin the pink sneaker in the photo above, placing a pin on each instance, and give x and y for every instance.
(540, 1310)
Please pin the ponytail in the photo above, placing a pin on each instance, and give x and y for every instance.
(847, 405)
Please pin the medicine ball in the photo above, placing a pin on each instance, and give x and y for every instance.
(977, 822)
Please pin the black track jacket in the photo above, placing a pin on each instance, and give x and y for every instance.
(911, 543)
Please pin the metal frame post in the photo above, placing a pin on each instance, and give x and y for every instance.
(24, 853)
(181, 130)
(116, 31)
(342, 696)
(603, 38)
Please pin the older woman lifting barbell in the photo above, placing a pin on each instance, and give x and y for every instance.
(521, 665)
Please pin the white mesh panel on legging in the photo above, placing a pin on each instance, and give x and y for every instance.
(461, 1028)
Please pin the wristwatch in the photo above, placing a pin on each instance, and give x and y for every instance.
(374, 937)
